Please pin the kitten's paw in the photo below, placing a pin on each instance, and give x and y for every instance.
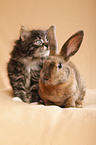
(16, 99)
(34, 103)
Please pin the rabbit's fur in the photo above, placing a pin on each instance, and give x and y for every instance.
(60, 82)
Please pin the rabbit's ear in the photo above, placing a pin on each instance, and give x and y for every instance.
(52, 40)
(24, 33)
(72, 45)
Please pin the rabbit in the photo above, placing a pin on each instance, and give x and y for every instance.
(60, 82)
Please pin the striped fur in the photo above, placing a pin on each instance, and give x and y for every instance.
(26, 62)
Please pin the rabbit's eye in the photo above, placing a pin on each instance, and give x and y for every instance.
(60, 65)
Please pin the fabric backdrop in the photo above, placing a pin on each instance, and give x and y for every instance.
(69, 16)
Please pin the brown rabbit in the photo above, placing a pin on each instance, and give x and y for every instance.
(60, 82)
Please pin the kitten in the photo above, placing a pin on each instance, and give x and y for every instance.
(26, 62)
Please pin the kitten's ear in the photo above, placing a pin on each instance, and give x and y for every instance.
(52, 40)
(24, 33)
(72, 45)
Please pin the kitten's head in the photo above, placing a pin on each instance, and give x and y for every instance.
(32, 43)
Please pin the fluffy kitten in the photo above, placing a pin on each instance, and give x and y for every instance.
(26, 62)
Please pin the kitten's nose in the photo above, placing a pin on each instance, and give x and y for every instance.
(46, 44)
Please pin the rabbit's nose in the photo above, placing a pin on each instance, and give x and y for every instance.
(46, 77)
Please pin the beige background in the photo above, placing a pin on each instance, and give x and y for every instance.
(69, 16)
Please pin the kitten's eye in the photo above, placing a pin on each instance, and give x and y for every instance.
(60, 65)
(38, 42)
